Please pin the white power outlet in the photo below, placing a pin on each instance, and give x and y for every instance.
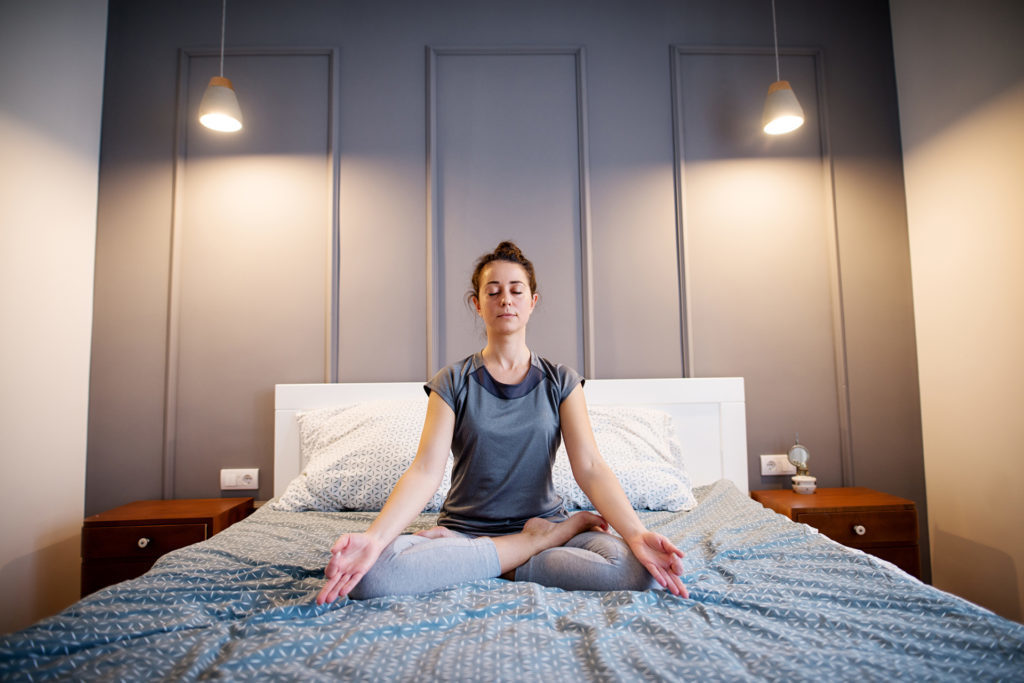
(246, 479)
(776, 464)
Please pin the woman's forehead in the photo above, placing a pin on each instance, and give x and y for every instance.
(504, 271)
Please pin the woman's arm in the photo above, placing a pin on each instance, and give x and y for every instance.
(661, 558)
(352, 555)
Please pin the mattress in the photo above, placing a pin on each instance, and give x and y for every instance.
(770, 600)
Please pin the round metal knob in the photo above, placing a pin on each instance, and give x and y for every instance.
(859, 529)
(143, 542)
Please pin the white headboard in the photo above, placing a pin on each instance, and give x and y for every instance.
(709, 413)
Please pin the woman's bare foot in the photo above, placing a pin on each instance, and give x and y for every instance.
(552, 534)
(540, 534)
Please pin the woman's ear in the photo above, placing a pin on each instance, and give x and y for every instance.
(476, 302)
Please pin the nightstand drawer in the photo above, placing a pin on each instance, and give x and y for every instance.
(125, 541)
(143, 541)
(864, 528)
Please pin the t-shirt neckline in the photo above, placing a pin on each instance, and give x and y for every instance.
(484, 378)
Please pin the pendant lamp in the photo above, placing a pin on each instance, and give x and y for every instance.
(219, 108)
(782, 111)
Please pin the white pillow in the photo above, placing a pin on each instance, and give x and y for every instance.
(641, 447)
(353, 456)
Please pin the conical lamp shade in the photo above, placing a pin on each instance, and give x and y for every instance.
(219, 108)
(782, 111)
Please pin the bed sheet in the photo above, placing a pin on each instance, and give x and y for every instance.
(770, 600)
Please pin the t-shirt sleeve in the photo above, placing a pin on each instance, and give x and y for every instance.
(444, 384)
(567, 381)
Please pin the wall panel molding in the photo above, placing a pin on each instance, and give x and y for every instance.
(435, 266)
(178, 232)
(679, 52)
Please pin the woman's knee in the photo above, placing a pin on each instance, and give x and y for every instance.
(610, 547)
(590, 561)
(631, 574)
(417, 564)
(366, 588)
(384, 577)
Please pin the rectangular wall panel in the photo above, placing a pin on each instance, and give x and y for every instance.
(507, 161)
(250, 279)
(759, 252)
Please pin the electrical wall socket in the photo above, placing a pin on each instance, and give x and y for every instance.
(776, 464)
(245, 479)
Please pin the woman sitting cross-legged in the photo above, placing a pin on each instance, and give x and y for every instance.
(502, 412)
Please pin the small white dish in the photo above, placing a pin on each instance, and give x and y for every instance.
(804, 483)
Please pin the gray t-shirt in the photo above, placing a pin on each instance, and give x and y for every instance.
(504, 444)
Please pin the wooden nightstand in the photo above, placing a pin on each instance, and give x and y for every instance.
(123, 543)
(877, 523)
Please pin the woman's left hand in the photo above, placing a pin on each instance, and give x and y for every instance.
(662, 559)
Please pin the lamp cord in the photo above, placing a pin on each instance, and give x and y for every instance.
(224, 16)
(775, 35)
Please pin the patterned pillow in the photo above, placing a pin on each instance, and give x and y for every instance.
(641, 447)
(353, 456)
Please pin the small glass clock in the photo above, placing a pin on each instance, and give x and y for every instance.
(799, 456)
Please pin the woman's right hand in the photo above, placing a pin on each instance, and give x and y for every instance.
(352, 555)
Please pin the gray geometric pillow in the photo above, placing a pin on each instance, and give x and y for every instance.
(641, 447)
(353, 456)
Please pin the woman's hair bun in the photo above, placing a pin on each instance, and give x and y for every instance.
(508, 251)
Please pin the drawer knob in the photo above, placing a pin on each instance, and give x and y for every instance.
(859, 529)
(143, 542)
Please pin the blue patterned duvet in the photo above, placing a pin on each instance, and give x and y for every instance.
(770, 600)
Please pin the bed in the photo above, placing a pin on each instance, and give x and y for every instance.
(770, 599)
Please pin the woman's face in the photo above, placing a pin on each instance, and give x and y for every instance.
(505, 301)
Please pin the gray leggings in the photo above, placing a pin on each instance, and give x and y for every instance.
(592, 560)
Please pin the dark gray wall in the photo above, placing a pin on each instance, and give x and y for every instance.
(388, 143)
